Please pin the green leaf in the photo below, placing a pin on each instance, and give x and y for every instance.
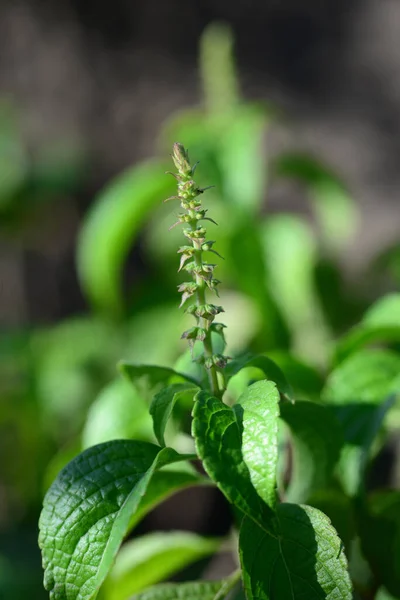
(266, 365)
(218, 431)
(149, 559)
(154, 375)
(317, 440)
(258, 408)
(163, 404)
(304, 560)
(87, 510)
(379, 526)
(338, 507)
(119, 412)
(305, 380)
(366, 377)
(110, 228)
(381, 323)
(290, 254)
(198, 590)
(361, 391)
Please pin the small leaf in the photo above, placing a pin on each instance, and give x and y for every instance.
(154, 375)
(305, 559)
(149, 559)
(87, 510)
(379, 526)
(258, 407)
(218, 437)
(317, 440)
(381, 323)
(266, 365)
(197, 590)
(163, 404)
(109, 230)
(305, 380)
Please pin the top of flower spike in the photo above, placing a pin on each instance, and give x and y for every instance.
(180, 156)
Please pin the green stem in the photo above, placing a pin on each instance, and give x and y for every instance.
(207, 342)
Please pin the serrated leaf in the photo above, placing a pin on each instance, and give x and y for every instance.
(87, 510)
(118, 412)
(163, 404)
(258, 409)
(110, 227)
(317, 440)
(266, 365)
(379, 527)
(381, 323)
(218, 432)
(148, 559)
(304, 560)
(196, 590)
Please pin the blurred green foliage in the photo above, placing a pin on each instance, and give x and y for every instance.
(284, 291)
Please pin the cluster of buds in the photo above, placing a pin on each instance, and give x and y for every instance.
(192, 262)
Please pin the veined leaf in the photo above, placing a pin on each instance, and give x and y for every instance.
(258, 409)
(218, 437)
(148, 559)
(87, 510)
(304, 560)
(198, 590)
(266, 365)
(163, 404)
(110, 228)
(317, 441)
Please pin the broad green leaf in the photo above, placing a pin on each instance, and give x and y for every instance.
(338, 507)
(258, 409)
(110, 228)
(379, 526)
(304, 560)
(87, 510)
(369, 376)
(381, 323)
(266, 365)
(290, 254)
(163, 404)
(119, 412)
(317, 439)
(198, 590)
(335, 209)
(384, 595)
(149, 559)
(218, 430)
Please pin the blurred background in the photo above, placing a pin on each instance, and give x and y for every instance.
(293, 110)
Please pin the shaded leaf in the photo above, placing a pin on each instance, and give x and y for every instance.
(317, 440)
(266, 365)
(163, 404)
(198, 590)
(87, 510)
(304, 560)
